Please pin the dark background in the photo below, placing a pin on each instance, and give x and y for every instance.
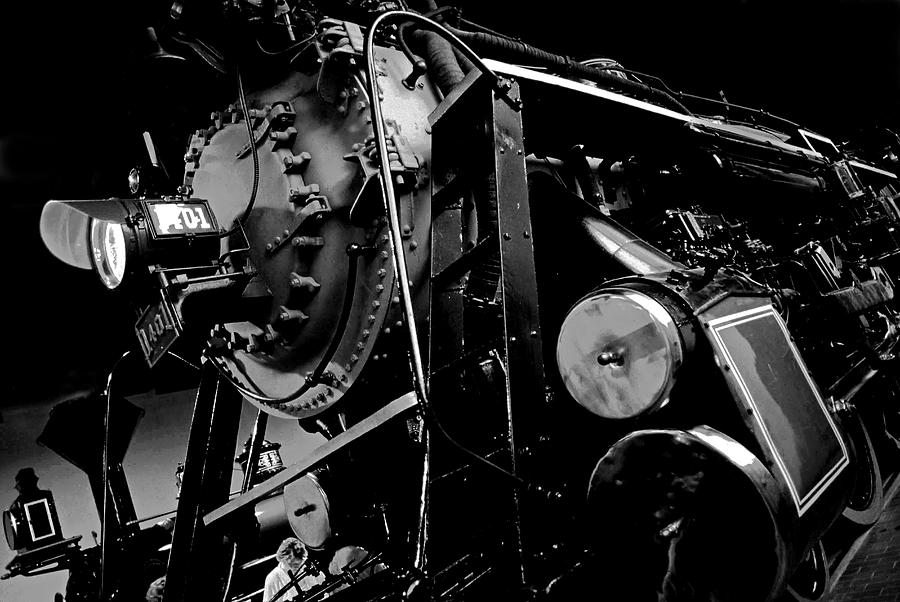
(76, 97)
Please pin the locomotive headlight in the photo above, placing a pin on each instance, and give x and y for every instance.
(120, 239)
(618, 351)
(108, 252)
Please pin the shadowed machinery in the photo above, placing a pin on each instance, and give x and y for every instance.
(564, 332)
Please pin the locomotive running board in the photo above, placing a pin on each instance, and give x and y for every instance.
(294, 472)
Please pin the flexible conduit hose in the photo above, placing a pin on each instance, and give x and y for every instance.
(568, 66)
(441, 60)
(445, 62)
(445, 66)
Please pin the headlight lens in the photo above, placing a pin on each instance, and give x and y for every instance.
(617, 353)
(108, 252)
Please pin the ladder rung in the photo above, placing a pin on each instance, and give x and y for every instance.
(464, 263)
(468, 359)
(448, 193)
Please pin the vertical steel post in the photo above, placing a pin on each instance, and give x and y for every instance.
(479, 154)
(523, 351)
(193, 561)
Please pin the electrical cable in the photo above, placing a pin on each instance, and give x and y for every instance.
(731, 105)
(183, 361)
(726, 104)
(291, 48)
(417, 62)
(247, 121)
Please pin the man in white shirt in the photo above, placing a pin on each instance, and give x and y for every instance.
(292, 560)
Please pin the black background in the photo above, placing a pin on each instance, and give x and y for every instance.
(75, 99)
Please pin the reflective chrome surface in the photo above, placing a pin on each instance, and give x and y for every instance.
(707, 505)
(618, 351)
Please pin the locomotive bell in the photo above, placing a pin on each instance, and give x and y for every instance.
(619, 349)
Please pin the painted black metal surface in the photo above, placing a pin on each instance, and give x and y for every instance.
(205, 485)
(484, 306)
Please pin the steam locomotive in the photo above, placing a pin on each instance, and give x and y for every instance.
(569, 334)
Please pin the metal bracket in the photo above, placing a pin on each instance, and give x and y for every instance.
(279, 116)
(316, 210)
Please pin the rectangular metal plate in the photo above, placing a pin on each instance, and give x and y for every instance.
(157, 329)
(40, 521)
(169, 218)
(764, 367)
(822, 145)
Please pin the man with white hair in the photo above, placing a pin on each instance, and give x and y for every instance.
(156, 590)
(292, 559)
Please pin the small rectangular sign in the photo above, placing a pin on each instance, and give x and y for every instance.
(40, 521)
(157, 329)
(168, 218)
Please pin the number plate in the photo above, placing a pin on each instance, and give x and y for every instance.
(172, 219)
(156, 330)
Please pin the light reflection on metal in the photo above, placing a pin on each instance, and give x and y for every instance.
(618, 351)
